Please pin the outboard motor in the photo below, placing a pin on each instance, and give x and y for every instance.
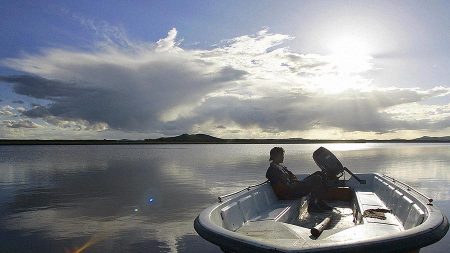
(331, 166)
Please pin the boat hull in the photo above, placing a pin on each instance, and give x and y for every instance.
(410, 240)
(404, 245)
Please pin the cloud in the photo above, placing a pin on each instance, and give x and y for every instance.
(38, 87)
(352, 111)
(430, 113)
(169, 42)
(248, 82)
(77, 125)
(6, 110)
(20, 109)
(20, 124)
(106, 33)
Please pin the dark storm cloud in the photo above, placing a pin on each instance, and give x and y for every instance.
(38, 87)
(38, 111)
(124, 102)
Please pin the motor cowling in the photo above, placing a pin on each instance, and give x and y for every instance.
(328, 163)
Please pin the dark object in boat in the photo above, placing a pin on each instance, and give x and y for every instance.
(318, 229)
(331, 166)
(316, 208)
(339, 193)
(377, 213)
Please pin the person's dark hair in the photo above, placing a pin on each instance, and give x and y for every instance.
(275, 151)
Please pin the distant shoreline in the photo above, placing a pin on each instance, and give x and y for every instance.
(208, 139)
(222, 141)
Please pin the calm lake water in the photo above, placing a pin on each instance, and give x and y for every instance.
(144, 198)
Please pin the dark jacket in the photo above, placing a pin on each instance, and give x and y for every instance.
(281, 180)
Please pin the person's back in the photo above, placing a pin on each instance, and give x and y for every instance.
(279, 176)
(279, 180)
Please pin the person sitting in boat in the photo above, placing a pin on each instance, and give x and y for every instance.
(287, 186)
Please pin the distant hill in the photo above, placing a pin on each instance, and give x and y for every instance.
(204, 138)
(433, 139)
(189, 138)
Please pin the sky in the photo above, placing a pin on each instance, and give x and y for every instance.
(232, 69)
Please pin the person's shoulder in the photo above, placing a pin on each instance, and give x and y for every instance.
(273, 165)
(276, 167)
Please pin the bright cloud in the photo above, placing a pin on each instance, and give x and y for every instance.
(22, 123)
(245, 84)
(7, 110)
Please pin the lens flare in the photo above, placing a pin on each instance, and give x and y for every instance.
(86, 245)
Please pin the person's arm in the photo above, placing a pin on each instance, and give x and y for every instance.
(292, 177)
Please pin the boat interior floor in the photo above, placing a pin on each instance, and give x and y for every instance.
(299, 228)
(342, 226)
(341, 218)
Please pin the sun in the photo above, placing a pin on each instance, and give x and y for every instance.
(350, 59)
(350, 54)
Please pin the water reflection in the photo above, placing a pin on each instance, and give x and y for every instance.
(110, 199)
(58, 198)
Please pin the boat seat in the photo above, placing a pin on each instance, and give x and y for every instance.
(252, 211)
(258, 206)
(370, 200)
(274, 212)
(232, 216)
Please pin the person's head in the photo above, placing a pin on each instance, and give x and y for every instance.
(277, 155)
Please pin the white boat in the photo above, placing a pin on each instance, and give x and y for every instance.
(254, 220)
